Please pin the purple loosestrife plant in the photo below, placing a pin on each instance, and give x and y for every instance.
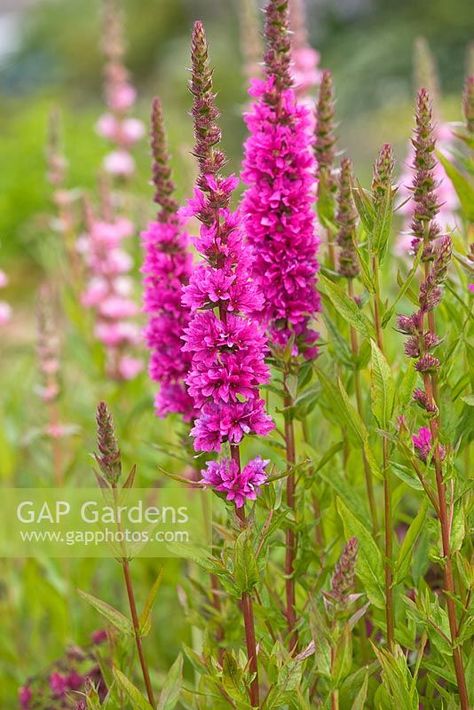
(166, 268)
(420, 329)
(348, 267)
(325, 153)
(116, 126)
(305, 60)
(346, 217)
(448, 202)
(108, 291)
(226, 343)
(109, 462)
(279, 172)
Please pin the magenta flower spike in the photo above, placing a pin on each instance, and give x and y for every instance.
(279, 171)
(226, 345)
(120, 129)
(166, 268)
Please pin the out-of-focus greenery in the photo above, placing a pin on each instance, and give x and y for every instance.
(368, 45)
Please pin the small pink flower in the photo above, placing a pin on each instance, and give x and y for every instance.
(422, 443)
(3, 279)
(122, 97)
(74, 681)
(25, 696)
(5, 312)
(132, 130)
(58, 684)
(99, 636)
(239, 486)
(117, 307)
(129, 367)
(120, 163)
(107, 126)
(471, 288)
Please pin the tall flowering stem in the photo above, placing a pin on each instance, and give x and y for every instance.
(381, 193)
(422, 340)
(250, 38)
(167, 267)
(448, 201)
(226, 345)
(121, 130)
(63, 199)
(305, 60)
(109, 462)
(109, 289)
(325, 152)
(348, 267)
(468, 104)
(48, 346)
(279, 171)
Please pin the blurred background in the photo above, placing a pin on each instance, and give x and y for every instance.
(50, 56)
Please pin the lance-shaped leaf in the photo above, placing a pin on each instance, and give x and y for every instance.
(405, 554)
(463, 186)
(171, 690)
(115, 617)
(382, 388)
(346, 307)
(135, 696)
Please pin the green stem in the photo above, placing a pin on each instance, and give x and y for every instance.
(369, 484)
(388, 513)
(291, 538)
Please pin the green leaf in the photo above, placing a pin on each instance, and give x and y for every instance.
(464, 188)
(348, 418)
(115, 617)
(369, 566)
(342, 660)
(346, 307)
(346, 492)
(171, 690)
(397, 679)
(407, 475)
(405, 554)
(145, 616)
(233, 681)
(245, 565)
(382, 388)
(359, 702)
(382, 227)
(405, 387)
(137, 699)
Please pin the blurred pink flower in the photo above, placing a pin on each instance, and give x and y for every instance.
(119, 163)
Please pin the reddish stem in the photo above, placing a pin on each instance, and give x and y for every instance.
(247, 612)
(136, 631)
